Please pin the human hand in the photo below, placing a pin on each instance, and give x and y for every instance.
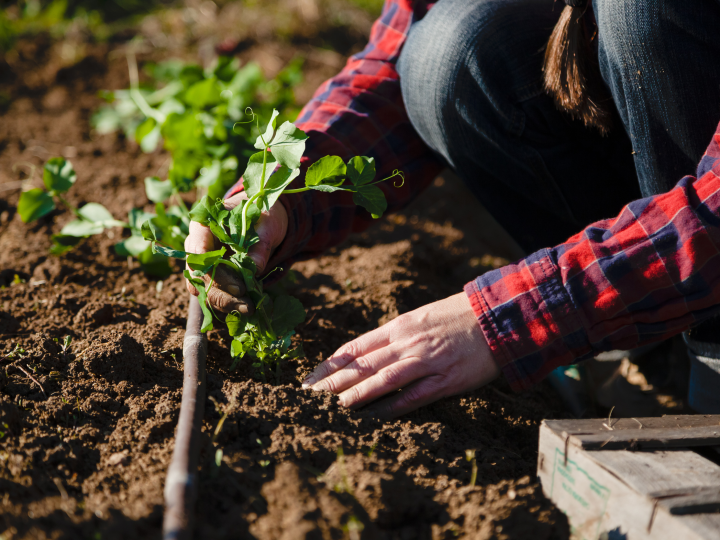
(228, 290)
(435, 351)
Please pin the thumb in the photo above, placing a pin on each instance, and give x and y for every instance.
(271, 229)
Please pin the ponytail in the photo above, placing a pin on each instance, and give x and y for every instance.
(572, 73)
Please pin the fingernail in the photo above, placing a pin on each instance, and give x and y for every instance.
(308, 382)
(233, 289)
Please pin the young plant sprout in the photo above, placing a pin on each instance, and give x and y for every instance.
(266, 335)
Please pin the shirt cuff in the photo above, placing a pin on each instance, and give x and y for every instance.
(528, 319)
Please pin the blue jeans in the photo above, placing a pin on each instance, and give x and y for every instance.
(471, 77)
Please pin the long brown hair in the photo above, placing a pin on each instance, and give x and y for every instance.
(572, 74)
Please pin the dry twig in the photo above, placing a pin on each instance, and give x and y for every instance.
(33, 379)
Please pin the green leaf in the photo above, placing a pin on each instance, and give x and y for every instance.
(106, 120)
(237, 348)
(199, 284)
(34, 204)
(203, 94)
(154, 264)
(288, 145)
(132, 246)
(226, 67)
(329, 170)
(168, 252)
(361, 170)
(59, 175)
(209, 175)
(200, 212)
(183, 132)
(287, 314)
(158, 190)
(237, 323)
(136, 218)
(276, 184)
(82, 228)
(97, 213)
(144, 131)
(372, 199)
(204, 261)
(62, 243)
(269, 132)
(253, 179)
(191, 74)
(150, 231)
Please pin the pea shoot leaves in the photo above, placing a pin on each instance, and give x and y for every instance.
(35, 204)
(191, 116)
(58, 175)
(287, 314)
(361, 170)
(158, 191)
(253, 179)
(372, 199)
(287, 143)
(327, 171)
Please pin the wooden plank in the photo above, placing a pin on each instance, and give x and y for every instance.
(663, 473)
(593, 425)
(599, 503)
(702, 501)
(644, 439)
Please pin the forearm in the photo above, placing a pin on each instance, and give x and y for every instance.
(650, 273)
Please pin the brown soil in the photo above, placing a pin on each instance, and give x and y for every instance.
(85, 445)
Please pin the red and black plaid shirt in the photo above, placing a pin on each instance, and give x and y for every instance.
(646, 275)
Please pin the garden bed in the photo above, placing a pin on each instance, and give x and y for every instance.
(85, 455)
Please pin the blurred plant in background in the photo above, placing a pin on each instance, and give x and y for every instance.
(27, 17)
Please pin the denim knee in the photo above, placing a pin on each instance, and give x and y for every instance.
(659, 59)
(459, 57)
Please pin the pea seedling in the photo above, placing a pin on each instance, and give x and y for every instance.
(266, 335)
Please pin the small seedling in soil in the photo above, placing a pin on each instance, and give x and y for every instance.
(17, 352)
(65, 345)
(193, 113)
(264, 337)
(470, 456)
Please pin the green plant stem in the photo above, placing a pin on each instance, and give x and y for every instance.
(69, 206)
(298, 190)
(135, 94)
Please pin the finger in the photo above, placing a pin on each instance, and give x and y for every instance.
(191, 288)
(199, 239)
(361, 346)
(230, 282)
(393, 377)
(227, 303)
(358, 370)
(270, 236)
(232, 202)
(414, 396)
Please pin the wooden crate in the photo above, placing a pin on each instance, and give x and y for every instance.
(634, 478)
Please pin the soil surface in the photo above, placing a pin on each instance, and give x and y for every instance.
(87, 430)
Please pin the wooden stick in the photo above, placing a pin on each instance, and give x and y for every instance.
(181, 480)
(33, 379)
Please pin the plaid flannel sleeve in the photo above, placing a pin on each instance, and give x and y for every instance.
(360, 111)
(648, 274)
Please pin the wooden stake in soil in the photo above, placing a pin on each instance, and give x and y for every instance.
(181, 480)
